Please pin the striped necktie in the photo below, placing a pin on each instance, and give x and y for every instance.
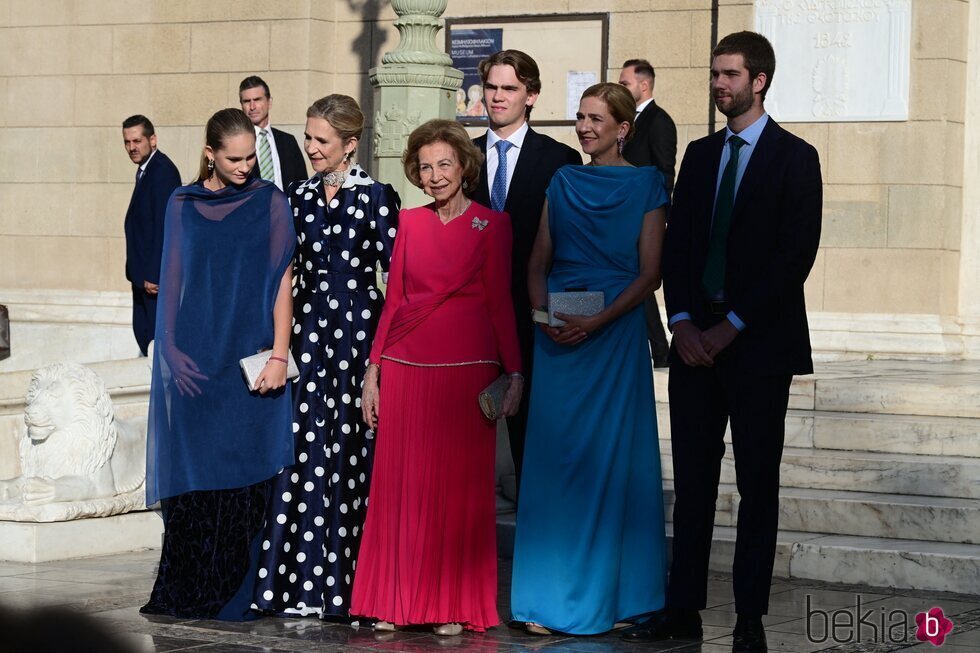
(266, 168)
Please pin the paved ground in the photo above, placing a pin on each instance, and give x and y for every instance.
(111, 589)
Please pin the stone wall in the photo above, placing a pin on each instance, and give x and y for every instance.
(71, 70)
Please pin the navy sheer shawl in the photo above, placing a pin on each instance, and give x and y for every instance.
(224, 255)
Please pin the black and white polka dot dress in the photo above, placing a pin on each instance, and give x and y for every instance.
(317, 508)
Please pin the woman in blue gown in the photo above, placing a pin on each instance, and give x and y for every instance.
(345, 224)
(590, 543)
(213, 443)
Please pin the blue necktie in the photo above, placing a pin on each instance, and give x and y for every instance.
(498, 193)
(713, 279)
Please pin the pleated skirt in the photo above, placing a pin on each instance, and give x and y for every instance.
(428, 553)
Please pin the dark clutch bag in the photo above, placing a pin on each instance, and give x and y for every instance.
(492, 397)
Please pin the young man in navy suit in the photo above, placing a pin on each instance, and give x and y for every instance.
(156, 179)
(744, 231)
(654, 143)
(518, 167)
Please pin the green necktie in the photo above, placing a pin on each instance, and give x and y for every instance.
(266, 167)
(713, 279)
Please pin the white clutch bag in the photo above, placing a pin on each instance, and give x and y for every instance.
(252, 366)
(574, 303)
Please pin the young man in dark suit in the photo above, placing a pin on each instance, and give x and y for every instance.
(654, 143)
(518, 168)
(278, 157)
(156, 179)
(744, 231)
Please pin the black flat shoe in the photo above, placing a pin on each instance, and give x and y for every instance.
(749, 636)
(666, 624)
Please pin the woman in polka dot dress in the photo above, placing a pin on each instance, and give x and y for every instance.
(345, 225)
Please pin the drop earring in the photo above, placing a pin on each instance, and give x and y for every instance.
(620, 142)
(210, 166)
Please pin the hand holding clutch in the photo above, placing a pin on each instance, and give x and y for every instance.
(502, 397)
(258, 369)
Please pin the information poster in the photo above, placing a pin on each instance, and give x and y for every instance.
(576, 84)
(468, 48)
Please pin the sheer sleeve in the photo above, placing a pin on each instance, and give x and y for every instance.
(282, 237)
(395, 295)
(164, 346)
(171, 274)
(496, 284)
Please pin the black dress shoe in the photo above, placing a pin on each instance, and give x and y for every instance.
(749, 636)
(666, 624)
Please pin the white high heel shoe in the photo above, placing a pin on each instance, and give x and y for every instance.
(448, 630)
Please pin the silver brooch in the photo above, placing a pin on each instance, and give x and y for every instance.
(479, 224)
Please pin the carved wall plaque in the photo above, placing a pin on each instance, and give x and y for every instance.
(838, 60)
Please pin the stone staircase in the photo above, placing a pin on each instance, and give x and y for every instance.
(880, 477)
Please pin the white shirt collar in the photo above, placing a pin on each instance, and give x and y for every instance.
(751, 133)
(267, 129)
(643, 105)
(516, 139)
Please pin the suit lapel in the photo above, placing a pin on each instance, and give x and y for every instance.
(482, 194)
(715, 146)
(758, 165)
(524, 172)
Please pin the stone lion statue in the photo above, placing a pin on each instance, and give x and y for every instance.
(76, 459)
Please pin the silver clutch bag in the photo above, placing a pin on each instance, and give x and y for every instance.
(492, 397)
(252, 366)
(574, 303)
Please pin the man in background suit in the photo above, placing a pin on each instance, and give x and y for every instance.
(744, 231)
(654, 143)
(156, 179)
(518, 167)
(278, 156)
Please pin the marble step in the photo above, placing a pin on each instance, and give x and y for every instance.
(940, 389)
(908, 434)
(915, 393)
(939, 519)
(887, 473)
(843, 512)
(878, 562)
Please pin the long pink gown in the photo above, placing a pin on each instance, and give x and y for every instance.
(428, 554)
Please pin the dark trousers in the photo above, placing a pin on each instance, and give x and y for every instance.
(144, 318)
(702, 401)
(655, 330)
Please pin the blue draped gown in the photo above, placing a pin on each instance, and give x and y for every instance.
(212, 444)
(590, 542)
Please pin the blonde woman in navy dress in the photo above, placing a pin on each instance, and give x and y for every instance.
(345, 225)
